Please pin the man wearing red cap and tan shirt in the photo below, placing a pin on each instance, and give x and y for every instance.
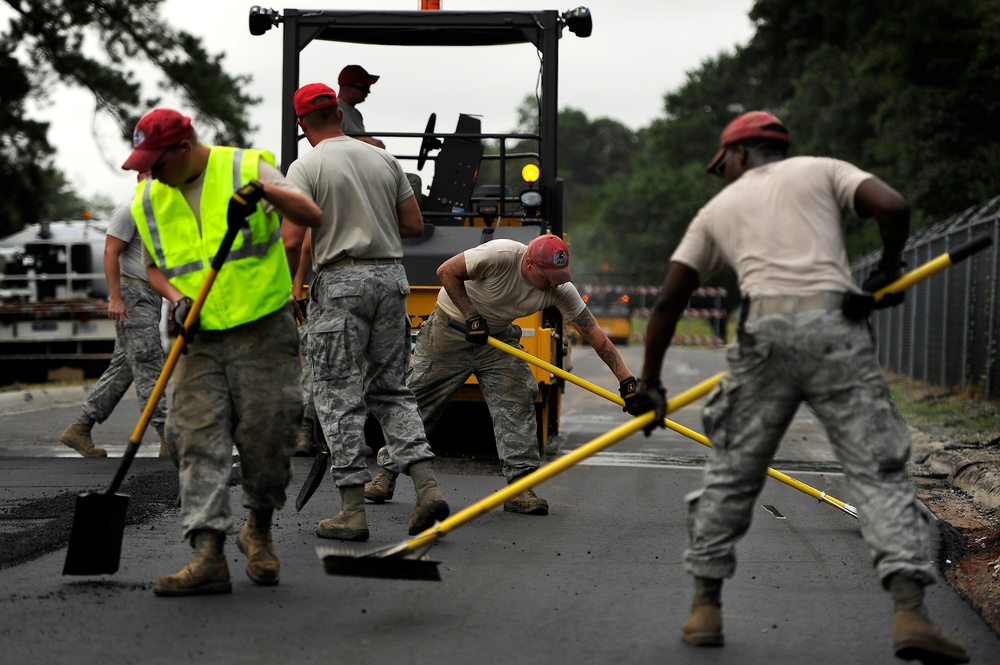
(803, 336)
(355, 84)
(358, 341)
(488, 287)
(239, 382)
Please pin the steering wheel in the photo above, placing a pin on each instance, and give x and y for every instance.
(429, 143)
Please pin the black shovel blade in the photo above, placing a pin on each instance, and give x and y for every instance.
(314, 478)
(95, 542)
(340, 561)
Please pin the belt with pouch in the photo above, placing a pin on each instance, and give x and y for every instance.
(351, 261)
(125, 279)
(827, 301)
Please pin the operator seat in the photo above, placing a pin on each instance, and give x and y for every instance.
(455, 169)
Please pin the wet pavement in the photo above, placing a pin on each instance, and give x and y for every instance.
(598, 580)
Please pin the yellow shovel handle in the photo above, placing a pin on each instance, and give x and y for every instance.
(557, 466)
(680, 429)
(935, 265)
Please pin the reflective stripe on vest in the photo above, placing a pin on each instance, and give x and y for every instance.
(248, 248)
(255, 280)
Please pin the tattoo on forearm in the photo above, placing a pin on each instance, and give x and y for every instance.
(586, 322)
(609, 357)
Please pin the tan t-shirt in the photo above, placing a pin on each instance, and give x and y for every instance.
(358, 187)
(501, 293)
(780, 226)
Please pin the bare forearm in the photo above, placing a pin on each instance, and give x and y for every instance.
(113, 248)
(659, 333)
(594, 335)
(874, 198)
(158, 280)
(675, 292)
(293, 205)
(293, 237)
(453, 274)
(409, 218)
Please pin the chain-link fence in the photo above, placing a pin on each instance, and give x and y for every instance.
(945, 332)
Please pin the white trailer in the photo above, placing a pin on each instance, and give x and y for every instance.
(53, 300)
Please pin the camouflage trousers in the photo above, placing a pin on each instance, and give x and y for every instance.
(357, 350)
(442, 361)
(239, 386)
(137, 358)
(309, 410)
(829, 362)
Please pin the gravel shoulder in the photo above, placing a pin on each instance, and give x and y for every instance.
(955, 467)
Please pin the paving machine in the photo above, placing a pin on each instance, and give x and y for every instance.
(484, 185)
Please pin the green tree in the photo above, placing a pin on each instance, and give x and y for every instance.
(44, 43)
(902, 89)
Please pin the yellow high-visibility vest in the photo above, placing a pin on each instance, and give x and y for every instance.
(255, 280)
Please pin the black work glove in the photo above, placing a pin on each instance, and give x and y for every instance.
(178, 315)
(476, 330)
(648, 397)
(858, 306)
(627, 388)
(881, 278)
(244, 201)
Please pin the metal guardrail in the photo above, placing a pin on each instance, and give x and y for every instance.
(945, 332)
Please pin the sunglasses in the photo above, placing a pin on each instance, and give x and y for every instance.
(362, 88)
(719, 170)
(163, 158)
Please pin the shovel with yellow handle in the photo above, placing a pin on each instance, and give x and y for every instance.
(95, 541)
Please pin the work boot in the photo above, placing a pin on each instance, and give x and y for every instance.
(914, 637)
(703, 628)
(206, 573)
(527, 503)
(164, 449)
(431, 506)
(77, 437)
(256, 543)
(305, 445)
(381, 487)
(350, 523)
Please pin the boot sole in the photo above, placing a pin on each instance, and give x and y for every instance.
(355, 535)
(704, 639)
(102, 453)
(259, 581)
(377, 498)
(435, 512)
(203, 590)
(540, 510)
(927, 651)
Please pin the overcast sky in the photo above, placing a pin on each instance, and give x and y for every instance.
(639, 50)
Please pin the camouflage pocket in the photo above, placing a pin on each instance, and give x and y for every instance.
(327, 350)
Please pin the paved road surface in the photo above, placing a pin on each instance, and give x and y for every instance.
(599, 580)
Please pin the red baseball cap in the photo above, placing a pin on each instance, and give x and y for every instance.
(551, 254)
(154, 133)
(305, 98)
(751, 125)
(355, 75)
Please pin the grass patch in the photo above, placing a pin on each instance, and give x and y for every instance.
(953, 413)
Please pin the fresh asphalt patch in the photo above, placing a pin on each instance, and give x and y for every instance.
(34, 527)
